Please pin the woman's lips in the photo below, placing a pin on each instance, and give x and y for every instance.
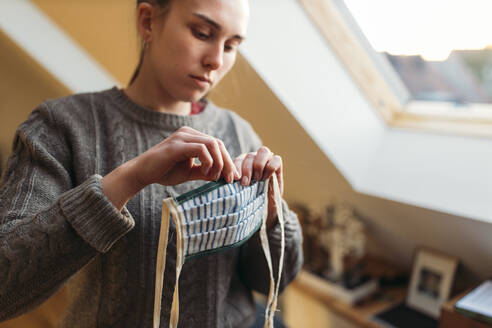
(201, 81)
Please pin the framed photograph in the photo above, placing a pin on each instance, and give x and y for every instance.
(431, 281)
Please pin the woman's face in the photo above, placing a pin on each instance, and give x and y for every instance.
(194, 45)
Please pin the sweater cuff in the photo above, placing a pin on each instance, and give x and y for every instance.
(93, 216)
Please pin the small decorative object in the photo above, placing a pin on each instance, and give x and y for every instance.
(344, 241)
(334, 245)
(431, 281)
(312, 224)
(344, 238)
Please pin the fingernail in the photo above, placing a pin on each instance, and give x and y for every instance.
(244, 180)
(230, 177)
(257, 176)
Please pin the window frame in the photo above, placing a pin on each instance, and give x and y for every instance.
(382, 86)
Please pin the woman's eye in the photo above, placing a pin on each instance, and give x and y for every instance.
(231, 46)
(200, 35)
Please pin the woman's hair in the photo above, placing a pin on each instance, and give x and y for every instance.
(164, 4)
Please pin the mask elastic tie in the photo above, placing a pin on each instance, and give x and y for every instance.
(169, 210)
(271, 305)
(161, 263)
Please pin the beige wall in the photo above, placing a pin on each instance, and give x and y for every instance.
(23, 85)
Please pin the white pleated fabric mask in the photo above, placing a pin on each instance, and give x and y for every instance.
(216, 217)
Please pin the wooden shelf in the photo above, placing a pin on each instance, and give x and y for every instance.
(360, 314)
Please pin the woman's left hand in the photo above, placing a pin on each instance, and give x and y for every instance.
(261, 165)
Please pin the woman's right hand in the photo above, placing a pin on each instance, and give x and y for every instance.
(171, 162)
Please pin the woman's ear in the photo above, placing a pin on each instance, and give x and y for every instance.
(145, 14)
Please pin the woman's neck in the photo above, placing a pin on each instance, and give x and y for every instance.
(148, 95)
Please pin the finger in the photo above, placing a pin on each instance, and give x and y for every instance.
(217, 155)
(247, 168)
(199, 150)
(229, 170)
(212, 145)
(225, 161)
(263, 155)
(187, 129)
(238, 162)
(196, 173)
(274, 164)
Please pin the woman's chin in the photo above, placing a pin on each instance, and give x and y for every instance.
(193, 96)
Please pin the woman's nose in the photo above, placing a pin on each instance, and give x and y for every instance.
(214, 58)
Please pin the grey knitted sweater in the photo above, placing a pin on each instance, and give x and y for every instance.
(57, 227)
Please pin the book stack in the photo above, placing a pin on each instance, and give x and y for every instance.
(477, 303)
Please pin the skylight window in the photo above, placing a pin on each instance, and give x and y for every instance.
(441, 49)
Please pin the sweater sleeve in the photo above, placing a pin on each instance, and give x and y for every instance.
(253, 267)
(49, 228)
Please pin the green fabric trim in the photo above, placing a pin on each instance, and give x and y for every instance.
(206, 188)
(225, 248)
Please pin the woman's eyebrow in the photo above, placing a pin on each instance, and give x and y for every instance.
(216, 25)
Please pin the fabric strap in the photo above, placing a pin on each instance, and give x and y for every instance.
(170, 211)
(271, 305)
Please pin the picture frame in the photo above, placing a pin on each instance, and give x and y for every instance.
(431, 281)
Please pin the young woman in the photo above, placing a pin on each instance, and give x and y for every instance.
(81, 198)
